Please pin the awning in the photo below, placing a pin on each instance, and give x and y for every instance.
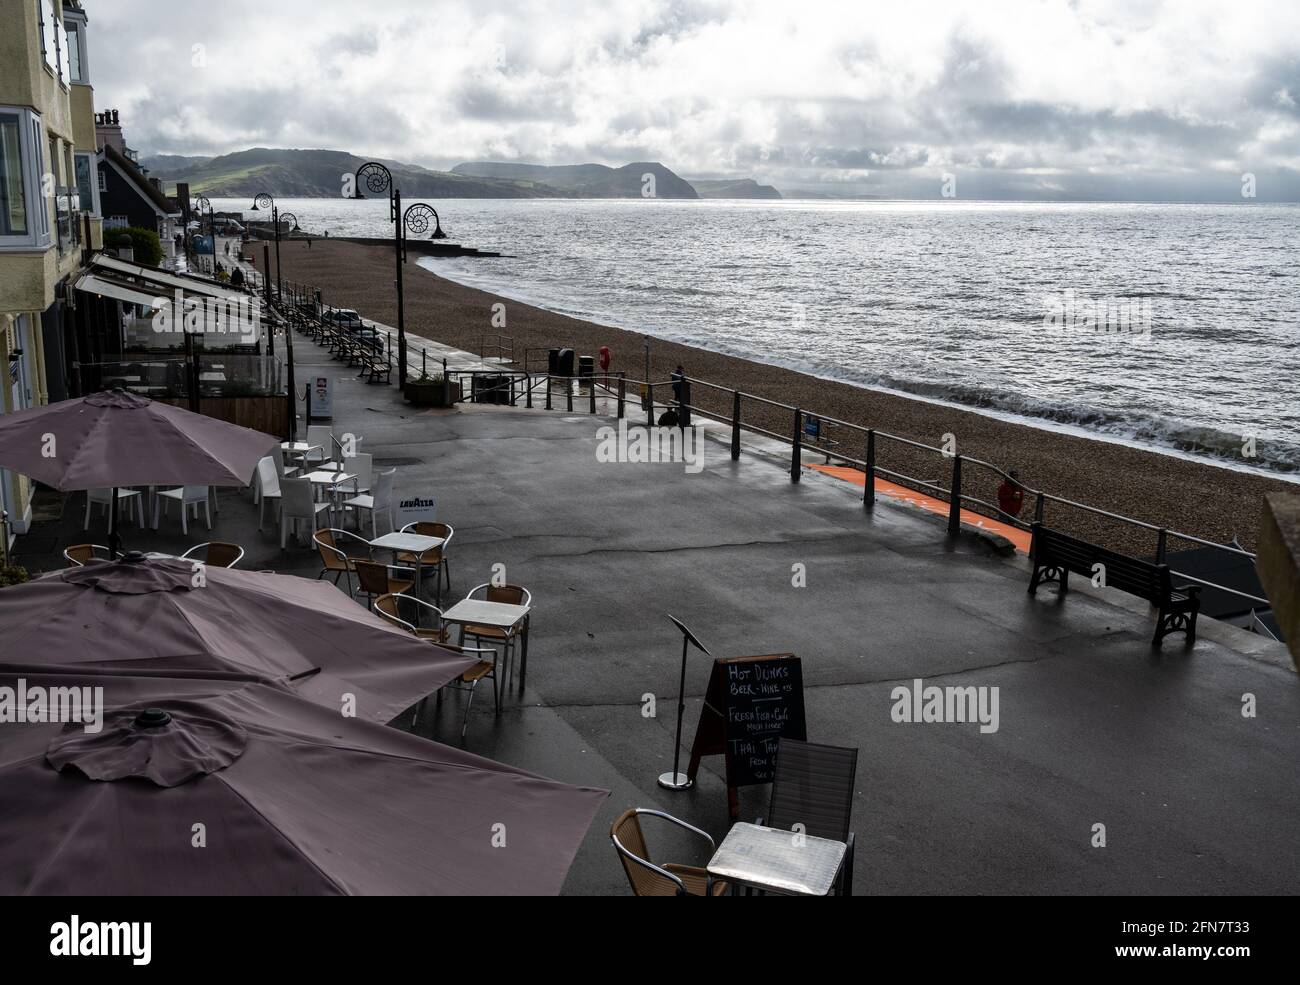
(156, 275)
(121, 290)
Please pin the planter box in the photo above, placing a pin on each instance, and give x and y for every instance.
(440, 394)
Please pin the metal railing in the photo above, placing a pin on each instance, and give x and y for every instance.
(502, 347)
(516, 385)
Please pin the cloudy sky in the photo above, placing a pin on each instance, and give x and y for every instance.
(1129, 99)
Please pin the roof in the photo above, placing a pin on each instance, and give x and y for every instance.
(141, 182)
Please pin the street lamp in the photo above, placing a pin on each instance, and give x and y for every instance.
(416, 220)
(198, 204)
(201, 204)
(265, 201)
(377, 179)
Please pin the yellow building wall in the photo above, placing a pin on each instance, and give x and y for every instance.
(28, 279)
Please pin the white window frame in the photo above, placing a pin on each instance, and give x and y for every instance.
(78, 23)
(93, 163)
(32, 145)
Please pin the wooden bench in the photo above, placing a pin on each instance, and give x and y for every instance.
(1056, 554)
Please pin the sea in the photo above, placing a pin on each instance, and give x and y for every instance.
(1168, 326)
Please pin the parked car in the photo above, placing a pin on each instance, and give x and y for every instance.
(342, 317)
(348, 319)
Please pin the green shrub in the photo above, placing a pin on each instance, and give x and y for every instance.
(13, 574)
(145, 242)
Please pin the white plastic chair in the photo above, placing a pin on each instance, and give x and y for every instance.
(340, 460)
(268, 487)
(320, 439)
(381, 501)
(362, 466)
(126, 498)
(298, 502)
(284, 467)
(189, 497)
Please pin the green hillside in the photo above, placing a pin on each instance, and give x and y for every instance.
(299, 173)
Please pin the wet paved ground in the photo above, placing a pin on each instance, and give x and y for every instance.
(1095, 728)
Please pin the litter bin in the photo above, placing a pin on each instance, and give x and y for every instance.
(586, 370)
(553, 362)
(564, 363)
(492, 389)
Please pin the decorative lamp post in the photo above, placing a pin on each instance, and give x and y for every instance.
(265, 201)
(377, 179)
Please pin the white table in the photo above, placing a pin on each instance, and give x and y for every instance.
(416, 544)
(330, 482)
(774, 861)
(499, 615)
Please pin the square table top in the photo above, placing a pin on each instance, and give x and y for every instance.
(415, 543)
(481, 612)
(328, 478)
(770, 858)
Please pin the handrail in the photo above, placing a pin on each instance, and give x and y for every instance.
(953, 492)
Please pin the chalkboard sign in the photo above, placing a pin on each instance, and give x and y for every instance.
(749, 704)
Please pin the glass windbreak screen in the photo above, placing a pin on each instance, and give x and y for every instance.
(13, 212)
(72, 51)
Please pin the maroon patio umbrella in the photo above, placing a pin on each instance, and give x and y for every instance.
(168, 617)
(221, 787)
(115, 438)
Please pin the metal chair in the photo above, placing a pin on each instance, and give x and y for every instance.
(217, 553)
(374, 578)
(435, 558)
(647, 877)
(510, 595)
(334, 559)
(813, 787)
(78, 554)
(389, 607)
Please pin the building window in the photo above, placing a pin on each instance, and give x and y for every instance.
(85, 185)
(13, 198)
(68, 205)
(75, 35)
(49, 21)
(103, 180)
(24, 219)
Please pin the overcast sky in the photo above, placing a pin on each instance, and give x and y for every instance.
(1057, 99)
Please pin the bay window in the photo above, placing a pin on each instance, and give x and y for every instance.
(24, 216)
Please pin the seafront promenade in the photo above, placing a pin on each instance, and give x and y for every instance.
(1205, 499)
(1093, 726)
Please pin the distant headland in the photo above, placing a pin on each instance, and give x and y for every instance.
(315, 174)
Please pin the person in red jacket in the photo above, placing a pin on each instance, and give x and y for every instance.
(1011, 495)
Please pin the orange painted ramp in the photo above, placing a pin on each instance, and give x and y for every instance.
(1020, 538)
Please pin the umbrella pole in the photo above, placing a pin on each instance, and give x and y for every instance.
(114, 540)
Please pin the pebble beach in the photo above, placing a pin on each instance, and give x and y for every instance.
(1199, 498)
